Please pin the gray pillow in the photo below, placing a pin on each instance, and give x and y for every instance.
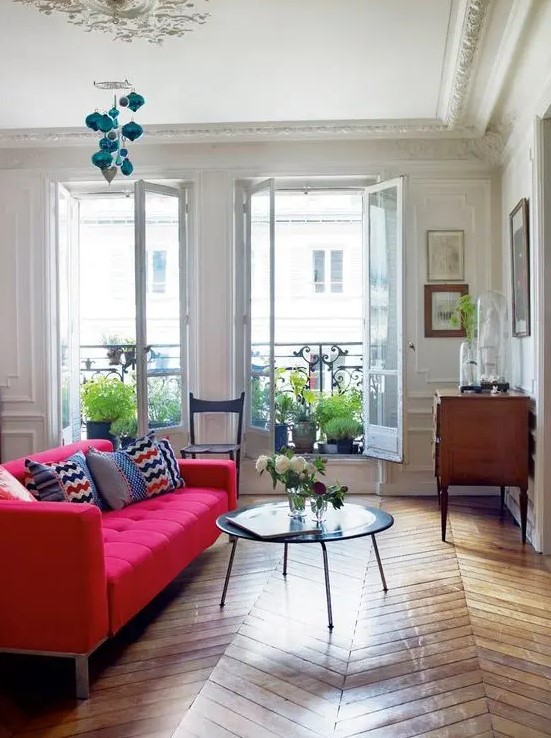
(117, 478)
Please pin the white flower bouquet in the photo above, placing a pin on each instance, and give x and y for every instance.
(295, 473)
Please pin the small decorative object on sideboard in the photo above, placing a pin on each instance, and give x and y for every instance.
(465, 317)
(493, 341)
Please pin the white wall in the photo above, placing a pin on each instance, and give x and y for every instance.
(448, 189)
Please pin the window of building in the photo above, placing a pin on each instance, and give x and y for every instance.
(158, 272)
(327, 270)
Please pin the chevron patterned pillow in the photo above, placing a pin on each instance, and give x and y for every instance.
(66, 481)
(167, 452)
(149, 460)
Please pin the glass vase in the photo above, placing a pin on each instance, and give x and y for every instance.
(494, 341)
(319, 509)
(468, 365)
(297, 503)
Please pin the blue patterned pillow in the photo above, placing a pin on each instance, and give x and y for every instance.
(167, 452)
(117, 477)
(147, 457)
(64, 481)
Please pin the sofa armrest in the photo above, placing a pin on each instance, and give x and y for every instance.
(218, 473)
(52, 577)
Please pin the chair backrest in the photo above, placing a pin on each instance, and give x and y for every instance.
(216, 406)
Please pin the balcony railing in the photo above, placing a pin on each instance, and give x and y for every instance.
(329, 366)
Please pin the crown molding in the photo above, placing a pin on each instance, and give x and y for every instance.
(471, 36)
(247, 132)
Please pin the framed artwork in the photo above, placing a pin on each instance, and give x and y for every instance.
(440, 304)
(520, 268)
(445, 256)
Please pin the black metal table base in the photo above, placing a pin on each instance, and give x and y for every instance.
(325, 570)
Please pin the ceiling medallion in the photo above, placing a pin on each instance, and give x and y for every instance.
(152, 20)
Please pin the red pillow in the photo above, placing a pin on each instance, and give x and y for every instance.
(12, 489)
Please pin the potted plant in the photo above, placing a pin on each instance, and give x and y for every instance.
(105, 399)
(304, 427)
(284, 407)
(300, 411)
(341, 405)
(125, 430)
(343, 430)
(164, 402)
(464, 316)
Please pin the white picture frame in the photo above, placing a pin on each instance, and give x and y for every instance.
(445, 256)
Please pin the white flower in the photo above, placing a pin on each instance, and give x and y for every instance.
(298, 464)
(261, 463)
(281, 464)
(310, 468)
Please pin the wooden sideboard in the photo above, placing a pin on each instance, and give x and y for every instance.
(481, 439)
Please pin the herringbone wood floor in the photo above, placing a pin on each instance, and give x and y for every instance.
(459, 646)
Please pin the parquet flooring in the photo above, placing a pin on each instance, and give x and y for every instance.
(460, 645)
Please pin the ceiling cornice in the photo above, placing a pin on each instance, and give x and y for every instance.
(242, 132)
(471, 35)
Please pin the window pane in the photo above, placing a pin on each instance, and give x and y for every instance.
(319, 270)
(383, 400)
(383, 303)
(158, 268)
(336, 271)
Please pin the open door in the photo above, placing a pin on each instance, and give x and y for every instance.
(68, 312)
(260, 229)
(383, 320)
(161, 306)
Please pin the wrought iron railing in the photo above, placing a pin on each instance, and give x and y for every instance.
(329, 367)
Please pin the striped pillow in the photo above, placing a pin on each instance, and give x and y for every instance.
(65, 481)
(167, 452)
(149, 460)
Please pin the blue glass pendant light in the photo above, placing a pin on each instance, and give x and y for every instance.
(112, 156)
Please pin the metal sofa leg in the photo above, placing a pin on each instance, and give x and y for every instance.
(82, 678)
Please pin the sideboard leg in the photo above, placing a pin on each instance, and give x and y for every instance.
(444, 509)
(523, 504)
(502, 489)
(438, 488)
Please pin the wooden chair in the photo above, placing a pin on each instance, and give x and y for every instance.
(233, 450)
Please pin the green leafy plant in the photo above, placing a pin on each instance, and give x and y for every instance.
(105, 399)
(164, 401)
(464, 316)
(124, 428)
(345, 405)
(284, 407)
(341, 428)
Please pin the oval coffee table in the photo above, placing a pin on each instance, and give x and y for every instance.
(351, 521)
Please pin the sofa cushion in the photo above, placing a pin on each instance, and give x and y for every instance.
(167, 452)
(117, 478)
(67, 481)
(12, 489)
(148, 544)
(147, 457)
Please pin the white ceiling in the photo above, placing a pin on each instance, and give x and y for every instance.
(272, 70)
(254, 60)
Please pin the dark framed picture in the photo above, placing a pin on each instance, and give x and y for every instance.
(440, 304)
(520, 268)
(445, 256)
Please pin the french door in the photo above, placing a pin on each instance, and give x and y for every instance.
(383, 320)
(150, 269)
(382, 350)
(259, 321)
(160, 234)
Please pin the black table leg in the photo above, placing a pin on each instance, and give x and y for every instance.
(230, 564)
(285, 559)
(385, 588)
(327, 585)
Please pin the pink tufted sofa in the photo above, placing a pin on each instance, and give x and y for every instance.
(72, 576)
